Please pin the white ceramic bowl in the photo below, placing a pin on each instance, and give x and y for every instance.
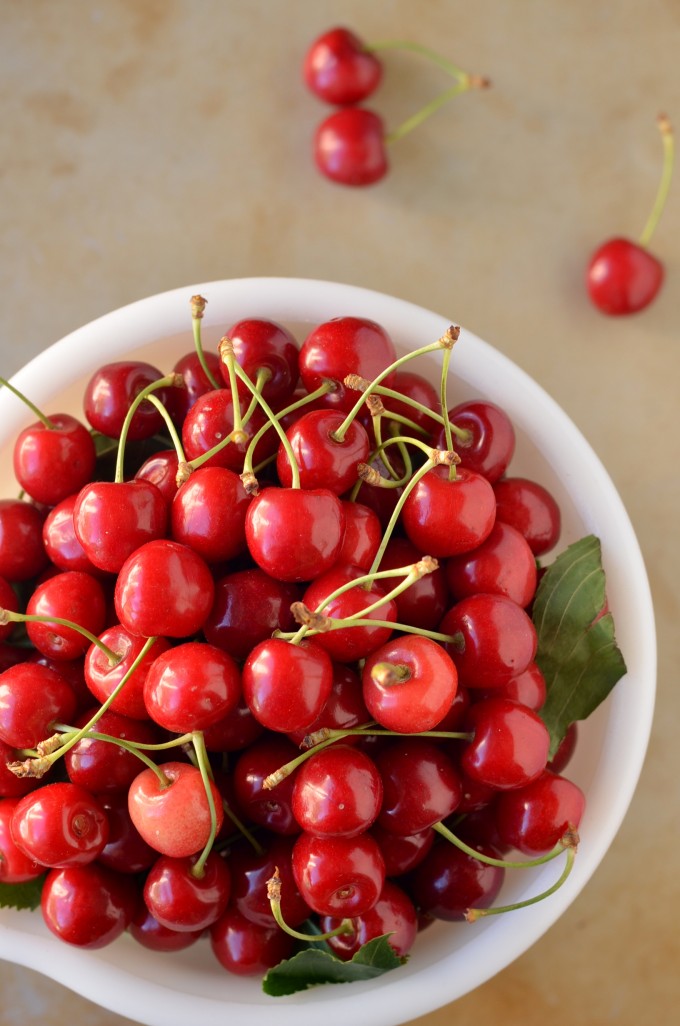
(448, 960)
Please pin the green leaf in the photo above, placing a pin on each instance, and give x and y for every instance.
(22, 895)
(577, 650)
(312, 967)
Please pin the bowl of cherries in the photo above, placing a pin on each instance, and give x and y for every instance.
(327, 658)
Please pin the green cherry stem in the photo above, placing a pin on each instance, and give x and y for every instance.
(664, 185)
(226, 351)
(473, 914)
(248, 468)
(169, 381)
(8, 616)
(330, 623)
(133, 747)
(198, 461)
(198, 305)
(274, 885)
(203, 763)
(428, 110)
(489, 860)
(436, 58)
(44, 420)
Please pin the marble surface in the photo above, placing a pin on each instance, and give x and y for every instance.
(148, 144)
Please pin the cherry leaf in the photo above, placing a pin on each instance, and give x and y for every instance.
(577, 650)
(312, 967)
(23, 895)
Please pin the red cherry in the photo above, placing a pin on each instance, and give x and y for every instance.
(362, 537)
(348, 644)
(490, 444)
(249, 606)
(250, 872)
(148, 932)
(337, 792)
(510, 745)
(210, 420)
(421, 786)
(51, 462)
(286, 685)
(60, 825)
(531, 509)
(425, 601)
(174, 818)
(323, 461)
(181, 900)
(71, 595)
(110, 393)
(349, 147)
(342, 346)
(102, 767)
(113, 518)
(534, 818)
(61, 542)
(449, 881)
(161, 470)
(497, 639)
(623, 277)
(208, 514)
(125, 851)
(15, 865)
(409, 684)
(191, 687)
(339, 876)
(268, 808)
(246, 948)
(340, 69)
(393, 914)
(32, 698)
(196, 382)
(103, 677)
(503, 565)
(22, 553)
(9, 600)
(295, 534)
(444, 517)
(88, 906)
(261, 345)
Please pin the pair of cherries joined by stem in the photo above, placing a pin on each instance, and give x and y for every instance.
(273, 671)
(351, 145)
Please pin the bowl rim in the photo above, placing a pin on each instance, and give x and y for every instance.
(166, 314)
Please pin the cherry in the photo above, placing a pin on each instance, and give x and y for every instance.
(528, 688)
(421, 786)
(285, 685)
(409, 684)
(337, 792)
(263, 347)
(22, 553)
(362, 537)
(340, 69)
(161, 469)
(426, 600)
(323, 461)
(449, 881)
(191, 686)
(249, 606)
(341, 346)
(343, 709)
(531, 509)
(497, 639)
(196, 381)
(180, 899)
(61, 542)
(349, 147)
(32, 699)
(250, 872)
(60, 824)
(113, 518)
(444, 517)
(417, 388)
(15, 865)
(338, 876)
(102, 767)
(534, 818)
(510, 745)
(246, 948)
(148, 932)
(268, 808)
(174, 816)
(503, 564)
(623, 277)
(233, 732)
(53, 458)
(294, 534)
(88, 906)
(73, 596)
(562, 756)
(208, 514)
(489, 442)
(110, 393)
(103, 674)
(164, 588)
(393, 914)
(210, 421)
(402, 852)
(125, 850)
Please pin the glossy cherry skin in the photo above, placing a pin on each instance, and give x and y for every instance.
(322, 461)
(71, 595)
(339, 69)
(496, 639)
(530, 508)
(348, 644)
(9, 600)
(421, 786)
(344, 707)
(61, 542)
(423, 697)
(88, 906)
(623, 277)
(174, 818)
(448, 882)
(245, 948)
(125, 851)
(349, 147)
(102, 678)
(528, 688)
(110, 392)
(208, 514)
(503, 565)
(148, 932)
(394, 913)
(233, 732)
(268, 808)
(32, 699)
(250, 872)
(196, 381)
(286, 686)
(210, 420)
(182, 901)
(443, 517)
(161, 469)
(262, 345)
(510, 744)
(15, 865)
(338, 876)
(337, 793)
(416, 387)
(60, 825)
(102, 767)
(295, 534)
(191, 687)
(362, 537)
(22, 553)
(249, 606)
(342, 346)
(164, 588)
(491, 442)
(566, 749)
(534, 818)
(425, 601)
(53, 462)
(112, 519)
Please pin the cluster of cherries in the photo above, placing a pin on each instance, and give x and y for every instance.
(282, 669)
(351, 144)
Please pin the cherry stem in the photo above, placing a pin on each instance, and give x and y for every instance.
(664, 185)
(389, 675)
(462, 434)
(133, 747)
(274, 895)
(356, 620)
(170, 380)
(444, 405)
(198, 461)
(427, 111)
(226, 351)
(50, 425)
(172, 430)
(396, 513)
(445, 342)
(309, 398)
(198, 741)
(8, 616)
(473, 914)
(436, 58)
(198, 304)
(489, 860)
(275, 778)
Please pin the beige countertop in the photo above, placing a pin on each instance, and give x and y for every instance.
(149, 144)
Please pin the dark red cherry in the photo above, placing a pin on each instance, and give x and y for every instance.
(495, 639)
(337, 793)
(534, 818)
(510, 744)
(103, 767)
(182, 900)
(148, 932)
(270, 808)
(245, 948)
(210, 420)
(340, 69)
(362, 537)
(88, 906)
(161, 470)
(503, 564)
(249, 606)
(285, 685)
(425, 601)
(421, 786)
(22, 553)
(103, 675)
(490, 444)
(208, 514)
(449, 881)
(110, 392)
(15, 866)
(264, 346)
(295, 534)
(250, 872)
(530, 508)
(338, 876)
(196, 382)
(393, 914)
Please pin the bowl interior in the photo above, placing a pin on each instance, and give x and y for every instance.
(448, 960)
